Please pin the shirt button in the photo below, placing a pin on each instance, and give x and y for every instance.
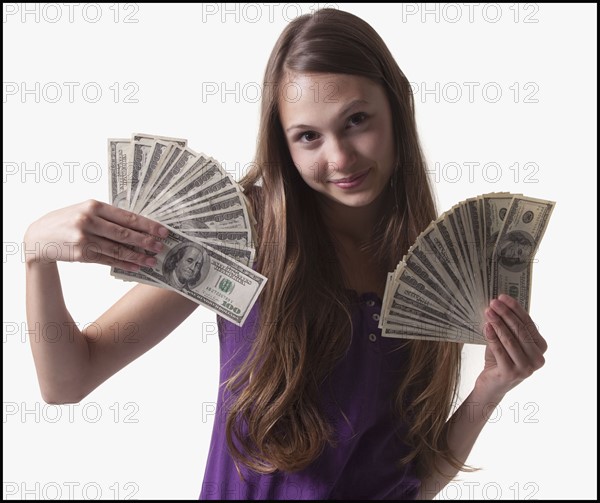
(370, 303)
(376, 317)
(372, 337)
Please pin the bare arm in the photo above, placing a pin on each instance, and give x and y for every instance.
(71, 363)
(514, 352)
(463, 429)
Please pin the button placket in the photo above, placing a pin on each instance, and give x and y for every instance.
(372, 329)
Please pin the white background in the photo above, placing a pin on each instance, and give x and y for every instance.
(145, 432)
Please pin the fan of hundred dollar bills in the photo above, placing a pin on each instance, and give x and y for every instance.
(477, 250)
(209, 251)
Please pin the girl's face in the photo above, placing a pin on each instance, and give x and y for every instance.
(339, 132)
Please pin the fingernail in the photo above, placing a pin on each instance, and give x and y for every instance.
(151, 261)
(157, 246)
(491, 314)
(490, 333)
(163, 232)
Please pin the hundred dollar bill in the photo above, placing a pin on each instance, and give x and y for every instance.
(158, 153)
(141, 153)
(187, 162)
(206, 276)
(519, 238)
(163, 179)
(205, 186)
(480, 248)
(411, 310)
(431, 243)
(239, 238)
(182, 142)
(182, 208)
(473, 207)
(220, 204)
(157, 177)
(131, 276)
(495, 207)
(242, 255)
(423, 330)
(151, 172)
(119, 160)
(428, 281)
(386, 296)
(412, 291)
(454, 250)
(456, 230)
(120, 153)
(214, 220)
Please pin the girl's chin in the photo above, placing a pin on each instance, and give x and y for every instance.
(353, 200)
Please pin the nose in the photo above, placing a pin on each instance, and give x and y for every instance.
(340, 157)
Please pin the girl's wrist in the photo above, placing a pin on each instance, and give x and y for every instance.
(32, 249)
(485, 394)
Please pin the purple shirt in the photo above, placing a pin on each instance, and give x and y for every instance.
(363, 465)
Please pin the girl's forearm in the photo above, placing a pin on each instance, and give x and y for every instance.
(462, 430)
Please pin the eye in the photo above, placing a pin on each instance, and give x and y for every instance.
(357, 119)
(307, 136)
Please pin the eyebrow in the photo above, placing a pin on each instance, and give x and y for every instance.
(344, 111)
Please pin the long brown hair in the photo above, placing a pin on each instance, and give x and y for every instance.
(274, 421)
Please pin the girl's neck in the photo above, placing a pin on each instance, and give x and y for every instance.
(351, 225)
(352, 231)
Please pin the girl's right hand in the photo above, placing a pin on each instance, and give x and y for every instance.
(94, 232)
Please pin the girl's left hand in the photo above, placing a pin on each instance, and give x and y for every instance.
(515, 347)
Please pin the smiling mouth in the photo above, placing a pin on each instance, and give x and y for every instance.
(351, 178)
